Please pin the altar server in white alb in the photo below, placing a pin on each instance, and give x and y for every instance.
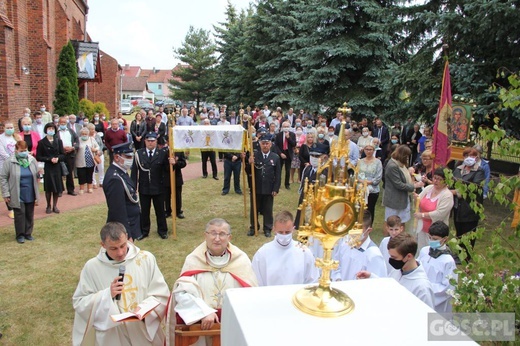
(439, 265)
(366, 256)
(213, 267)
(100, 294)
(407, 271)
(284, 261)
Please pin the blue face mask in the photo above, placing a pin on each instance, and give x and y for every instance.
(22, 154)
(27, 128)
(435, 244)
(394, 141)
(63, 127)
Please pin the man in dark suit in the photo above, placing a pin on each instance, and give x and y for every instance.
(120, 192)
(178, 164)
(285, 142)
(381, 132)
(148, 172)
(70, 146)
(267, 183)
(317, 153)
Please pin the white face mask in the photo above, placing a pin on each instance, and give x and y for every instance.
(470, 161)
(283, 239)
(314, 161)
(127, 163)
(365, 134)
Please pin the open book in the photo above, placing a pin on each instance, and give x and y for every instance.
(138, 314)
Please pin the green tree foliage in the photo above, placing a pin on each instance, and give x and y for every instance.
(482, 36)
(196, 77)
(100, 107)
(67, 101)
(86, 106)
(62, 98)
(236, 73)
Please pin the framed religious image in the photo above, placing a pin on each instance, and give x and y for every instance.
(460, 122)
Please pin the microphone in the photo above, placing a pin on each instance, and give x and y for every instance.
(122, 270)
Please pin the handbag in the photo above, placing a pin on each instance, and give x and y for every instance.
(64, 169)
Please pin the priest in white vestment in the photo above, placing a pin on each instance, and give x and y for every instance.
(406, 270)
(284, 261)
(213, 267)
(364, 255)
(96, 297)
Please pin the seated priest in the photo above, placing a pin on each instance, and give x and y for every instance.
(213, 267)
(101, 293)
(284, 261)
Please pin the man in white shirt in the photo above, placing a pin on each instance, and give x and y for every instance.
(38, 124)
(284, 261)
(355, 255)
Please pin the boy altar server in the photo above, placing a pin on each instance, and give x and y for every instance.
(362, 257)
(99, 287)
(439, 265)
(407, 271)
(394, 227)
(284, 261)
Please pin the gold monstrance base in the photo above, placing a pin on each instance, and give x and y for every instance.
(323, 301)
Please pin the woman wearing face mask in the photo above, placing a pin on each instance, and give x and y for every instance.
(50, 151)
(469, 172)
(30, 137)
(19, 181)
(306, 148)
(399, 184)
(98, 124)
(364, 140)
(435, 203)
(295, 163)
(100, 167)
(85, 163)
(7, 147)
(371, 171)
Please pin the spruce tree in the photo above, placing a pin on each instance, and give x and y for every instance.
(196, 78)
(63, 99)
(67, 69)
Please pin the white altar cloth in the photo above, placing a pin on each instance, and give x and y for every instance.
(385, 314)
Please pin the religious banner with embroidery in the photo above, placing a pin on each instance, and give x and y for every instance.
(218, 137)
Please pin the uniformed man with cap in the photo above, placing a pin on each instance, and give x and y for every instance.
(148, 173)
(317, 154)
(267, 182)
(120, 191)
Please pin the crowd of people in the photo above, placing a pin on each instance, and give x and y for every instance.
(395, 162)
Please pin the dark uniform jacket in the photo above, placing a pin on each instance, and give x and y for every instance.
(122, 201)
(267, 173)
(149, 173)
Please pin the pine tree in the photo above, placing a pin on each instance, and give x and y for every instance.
(67, 69)
(197, 76)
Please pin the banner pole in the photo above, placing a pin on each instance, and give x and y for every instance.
(172, 181)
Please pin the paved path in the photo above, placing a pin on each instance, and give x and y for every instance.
(67, 202)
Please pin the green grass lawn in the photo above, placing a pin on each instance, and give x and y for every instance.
(37, 279)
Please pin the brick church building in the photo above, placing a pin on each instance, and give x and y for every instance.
(32, 34)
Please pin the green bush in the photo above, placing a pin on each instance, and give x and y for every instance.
(87, 107)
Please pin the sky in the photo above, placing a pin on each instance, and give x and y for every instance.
(144, 33)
